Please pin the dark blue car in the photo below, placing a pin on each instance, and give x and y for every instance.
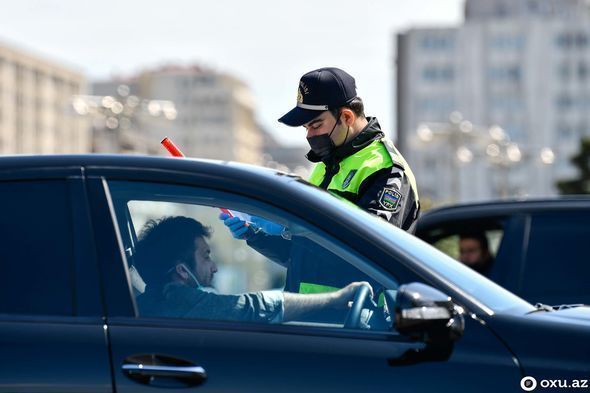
(71, 284)
(540, 246)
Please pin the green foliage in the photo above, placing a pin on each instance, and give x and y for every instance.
(581, 161)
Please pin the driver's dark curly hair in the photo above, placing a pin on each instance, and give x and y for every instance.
(163, 244)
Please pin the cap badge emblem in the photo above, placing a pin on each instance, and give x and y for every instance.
(303, 90)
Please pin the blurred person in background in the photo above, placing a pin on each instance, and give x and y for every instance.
(474, 251)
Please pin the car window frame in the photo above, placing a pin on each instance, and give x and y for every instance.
(131, 315)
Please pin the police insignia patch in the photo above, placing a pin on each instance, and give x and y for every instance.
(390, 199)
(349, 177)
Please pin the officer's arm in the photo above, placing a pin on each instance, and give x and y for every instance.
(388, 194)
(274, 248)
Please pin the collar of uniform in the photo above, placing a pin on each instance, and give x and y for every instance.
(370, 133)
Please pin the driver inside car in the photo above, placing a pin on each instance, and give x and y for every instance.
(174, 259)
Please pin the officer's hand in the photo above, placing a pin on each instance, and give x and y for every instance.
(239, 228)
(267, 226)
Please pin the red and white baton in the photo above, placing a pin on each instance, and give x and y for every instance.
(175, 151)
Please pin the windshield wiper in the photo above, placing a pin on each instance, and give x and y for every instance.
(548, 308)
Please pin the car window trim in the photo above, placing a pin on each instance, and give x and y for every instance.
(229, 326)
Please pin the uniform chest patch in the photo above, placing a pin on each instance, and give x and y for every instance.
(390, 199)
(348, 179)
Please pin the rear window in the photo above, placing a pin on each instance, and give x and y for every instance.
(36, 250)
(557, 267)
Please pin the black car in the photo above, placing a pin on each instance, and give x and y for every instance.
(69, 284)
(540, 246)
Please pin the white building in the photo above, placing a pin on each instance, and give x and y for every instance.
(214, 112)
(522, 65)
(36, 115)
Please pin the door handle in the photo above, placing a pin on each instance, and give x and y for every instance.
(160, 370)
(189, 372)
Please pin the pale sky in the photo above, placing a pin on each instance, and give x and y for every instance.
(267, 44)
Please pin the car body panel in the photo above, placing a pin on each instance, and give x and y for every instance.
(250, 361)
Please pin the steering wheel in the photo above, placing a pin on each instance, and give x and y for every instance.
(353, 318)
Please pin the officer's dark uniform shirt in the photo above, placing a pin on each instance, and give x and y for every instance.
(367, 171)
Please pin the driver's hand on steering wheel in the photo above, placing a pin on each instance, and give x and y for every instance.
(345, 295)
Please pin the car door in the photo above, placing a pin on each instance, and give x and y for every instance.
(555, 269)
(219, 354)
(52, 336)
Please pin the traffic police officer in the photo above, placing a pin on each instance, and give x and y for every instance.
(354, 161)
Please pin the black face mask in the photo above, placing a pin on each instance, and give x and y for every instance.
(323, 145)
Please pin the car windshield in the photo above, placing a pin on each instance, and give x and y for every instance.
(487, 295)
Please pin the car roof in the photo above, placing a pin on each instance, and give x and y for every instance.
(504, 207)
(187, 164)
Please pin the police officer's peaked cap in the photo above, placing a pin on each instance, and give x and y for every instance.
(320, 90)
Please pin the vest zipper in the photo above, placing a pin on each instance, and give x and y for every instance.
(330, 172)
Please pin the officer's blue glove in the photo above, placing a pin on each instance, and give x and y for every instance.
(267, 226)
(239, 228)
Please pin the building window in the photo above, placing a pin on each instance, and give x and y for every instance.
(564, 72)
(204, 80)
(508, 42)
(443, 105)
(438, 73)
(571, 40)
(57, 82)
(501, 10)
(581, 40)
(437, 43)
(533, 6)
(510, 73)
(517, 132)
(564, 102)
(583, 71)
(507, 104)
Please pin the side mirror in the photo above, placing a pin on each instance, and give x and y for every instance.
(426, 314)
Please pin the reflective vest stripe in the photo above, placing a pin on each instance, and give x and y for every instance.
(306, 287)
(354, 169)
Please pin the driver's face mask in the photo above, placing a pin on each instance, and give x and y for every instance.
(323, 145)
(188, 271)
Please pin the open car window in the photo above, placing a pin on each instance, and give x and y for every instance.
(450, 243)
(232, 279)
